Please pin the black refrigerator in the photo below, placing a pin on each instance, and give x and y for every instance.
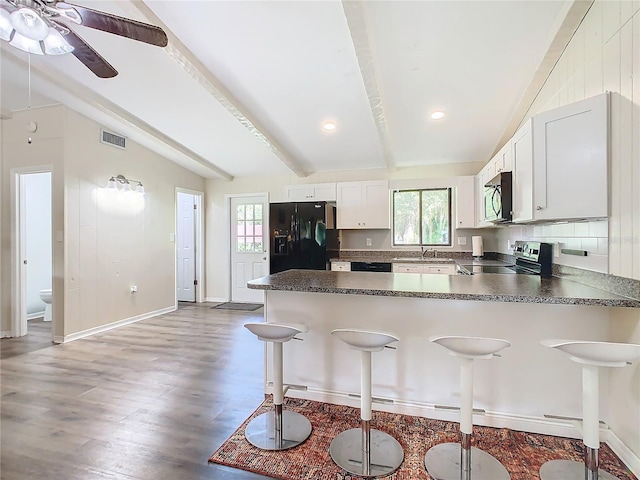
(302, 235)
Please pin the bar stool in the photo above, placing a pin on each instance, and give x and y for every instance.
(364, 451)
(591, 355)
(278, 429)
(461, 461)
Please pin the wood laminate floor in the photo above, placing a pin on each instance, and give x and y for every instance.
(148, 401)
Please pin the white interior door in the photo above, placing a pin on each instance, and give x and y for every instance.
(186, 240)
(249, 226)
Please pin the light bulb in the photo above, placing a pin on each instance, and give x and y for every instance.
(329, 126)
(26, 44)
(112, 184)
(437, 115)
(140, 189)
(27, 22)
(6, 29)
(55, 44)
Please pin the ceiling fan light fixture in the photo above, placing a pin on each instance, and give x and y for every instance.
(26, 44)
(55, 44)
(437, 115)
(6, 29)
(329, 126)
(29, 23)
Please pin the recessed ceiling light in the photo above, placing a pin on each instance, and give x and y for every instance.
(437, 115)
(329, 126)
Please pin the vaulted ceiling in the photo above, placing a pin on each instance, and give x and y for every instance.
(244, 87)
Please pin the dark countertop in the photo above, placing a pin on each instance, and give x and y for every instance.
(491, 288)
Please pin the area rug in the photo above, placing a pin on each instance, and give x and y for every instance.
(521, 453)
(249, 307)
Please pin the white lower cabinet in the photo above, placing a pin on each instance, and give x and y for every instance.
(340, 266)
(444, 268)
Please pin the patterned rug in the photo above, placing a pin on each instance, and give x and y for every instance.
(521, 453)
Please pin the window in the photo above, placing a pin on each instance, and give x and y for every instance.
(422, 217)
(249, 228)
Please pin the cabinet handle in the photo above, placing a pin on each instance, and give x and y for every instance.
(538, 207)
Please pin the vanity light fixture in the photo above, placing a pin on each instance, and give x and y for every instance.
(437, 115)
(122, 183)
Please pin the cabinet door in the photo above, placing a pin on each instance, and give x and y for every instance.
(570, 146)
(340, 266)
(522, 187)
(504, 159)
(375, 205)
(465, 202)
(349, 201)
(298, 193)
(325, 192)
(444, 269)
(406, 268)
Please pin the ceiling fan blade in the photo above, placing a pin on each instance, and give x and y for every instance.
(125, 27)
(89, 57)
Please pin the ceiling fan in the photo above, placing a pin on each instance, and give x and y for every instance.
(42, 27)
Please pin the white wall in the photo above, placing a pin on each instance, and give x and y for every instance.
(37, 189)
(102, 245)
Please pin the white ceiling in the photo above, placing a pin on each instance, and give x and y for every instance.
(243, 87)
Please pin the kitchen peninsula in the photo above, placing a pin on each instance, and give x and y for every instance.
(528, 389)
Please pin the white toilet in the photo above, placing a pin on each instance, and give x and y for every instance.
(46, 296)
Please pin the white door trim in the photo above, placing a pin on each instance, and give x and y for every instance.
(18, 283)
(227, 208)
(199, 243)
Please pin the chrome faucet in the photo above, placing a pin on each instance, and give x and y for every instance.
(424, 252)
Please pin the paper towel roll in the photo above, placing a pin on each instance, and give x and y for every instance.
(476, 243)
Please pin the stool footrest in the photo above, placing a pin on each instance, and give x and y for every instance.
(386, 401)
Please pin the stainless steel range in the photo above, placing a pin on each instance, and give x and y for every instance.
(532, 258)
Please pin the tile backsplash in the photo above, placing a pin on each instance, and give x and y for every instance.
(591, 236)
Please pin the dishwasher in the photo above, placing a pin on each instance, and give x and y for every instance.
(371, 266)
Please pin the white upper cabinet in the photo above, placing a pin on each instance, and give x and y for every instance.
(501, 161)
(363, 204)
(465, 202)
(311, 192)
(522, 186)
(564, 177)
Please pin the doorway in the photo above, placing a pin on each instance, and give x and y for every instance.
(189, 245)
(248, 242)
(32, 253)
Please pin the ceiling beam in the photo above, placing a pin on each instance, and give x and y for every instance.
(359, 31)
(575, 13)
(91, 98)
(178, 52)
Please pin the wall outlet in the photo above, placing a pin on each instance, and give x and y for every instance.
(368, 242)
(462, 240)
(134, 288)
(172, 237)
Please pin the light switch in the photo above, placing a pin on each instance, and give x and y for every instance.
(368, 242)
(462, 240)
(172, 237)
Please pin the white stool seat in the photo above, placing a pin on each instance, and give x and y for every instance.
(602, 354)
(365, 340)
(592, 355)
(471, 347)
(275, 332)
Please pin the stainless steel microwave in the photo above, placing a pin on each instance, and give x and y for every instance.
(497, 199)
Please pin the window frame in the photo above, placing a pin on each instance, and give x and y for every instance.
(420, 190)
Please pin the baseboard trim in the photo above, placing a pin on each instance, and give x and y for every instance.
(215, 299)
(5, 334)
(542, 425)
(628, 457)
(111, 326)
(31, 316)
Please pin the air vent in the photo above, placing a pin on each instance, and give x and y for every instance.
(113, 139)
